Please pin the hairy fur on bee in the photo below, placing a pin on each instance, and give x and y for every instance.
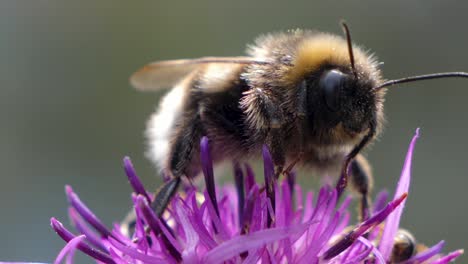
(281, 103)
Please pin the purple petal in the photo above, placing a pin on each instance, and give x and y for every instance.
(309, 206)
(382, 215)
(378, 257)
(298, 196)
(322, 202)
(134, 180)
(252, 258)
(4, 262)
(241, 224)
(148, 214)
(248, 213)
(287, 203)
(117, 258)
(85, 248)
(271, 212)
(259, 212)
(239, 244)
(360, 256)
(283, 217)
(269, 175)
(192, 239)
(322, 217)
(426, 254)
(280, 210)
(81, 226)
(249, 177)
(217, 223)
(271, 257)
(344, 222)
(156, 226)
(207, 167)
(197, 221)
(345, 215)
(449, 257)
(319, 242)
(380, 201)
(268, 167)
(331, 205)
(69, 248)
(136, 254)
(116, 233)
(84, 211)
(239, 180)
(352, 236)
(140, 240)
(392, 223)
(345, 204)
(291, 179)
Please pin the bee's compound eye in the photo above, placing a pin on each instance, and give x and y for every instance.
(331, 84)
(404, 246)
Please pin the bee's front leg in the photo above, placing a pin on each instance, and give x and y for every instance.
(361, 182)
(350, 159)
(275, 143)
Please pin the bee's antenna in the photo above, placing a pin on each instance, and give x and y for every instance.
(350, 46)
(422, 78)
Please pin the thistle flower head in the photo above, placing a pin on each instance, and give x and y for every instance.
(250, 222)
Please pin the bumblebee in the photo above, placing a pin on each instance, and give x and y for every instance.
(313, 98)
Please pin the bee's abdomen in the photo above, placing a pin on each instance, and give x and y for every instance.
(225, 122)
(162, 125)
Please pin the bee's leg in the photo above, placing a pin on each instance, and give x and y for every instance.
(291, 165)
(268, 121)
(276, 147)
(182, 155)
(277, 150)
(361, 182)
(343, 180)
(164, 195)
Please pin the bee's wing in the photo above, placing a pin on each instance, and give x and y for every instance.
(165, 74)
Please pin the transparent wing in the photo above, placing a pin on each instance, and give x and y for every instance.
(165, 74)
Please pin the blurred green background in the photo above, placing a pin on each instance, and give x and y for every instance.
(68, 114)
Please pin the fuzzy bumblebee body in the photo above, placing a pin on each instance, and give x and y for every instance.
(296, 93)
(313, 98)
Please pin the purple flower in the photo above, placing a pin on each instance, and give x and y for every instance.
(250, 222)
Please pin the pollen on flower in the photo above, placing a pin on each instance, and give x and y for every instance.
(251, 222)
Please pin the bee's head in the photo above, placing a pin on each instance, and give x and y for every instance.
(337, 98)
(334, 82)
(320, 77)
(334, 86)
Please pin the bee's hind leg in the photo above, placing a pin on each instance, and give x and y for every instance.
(164, 195)
(186, 144)
(162, 198)
(183, 154)
(361, 182)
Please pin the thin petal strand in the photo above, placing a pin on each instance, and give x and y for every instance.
(69, 248)
(392, 223)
